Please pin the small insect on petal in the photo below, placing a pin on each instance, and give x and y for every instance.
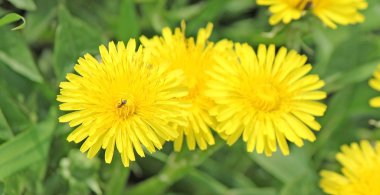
(122, 103)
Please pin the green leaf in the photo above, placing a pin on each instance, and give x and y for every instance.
(239, 6)
(154, 15)
(24, 4)
(285, 168)
(236, 168)
(324, 49)
(118, 177)
(356, 75)
(178, 166)
(206, 182)
(73, 39)
(127, 25)
(185, 13)
(158, 184)
(39, 20)
(336, 115)
(352, 56)
(28, 147)
(12, 17)
(331, 48)
(15, 116)
(254, 31)
(305, 184)
(371, 24)
(80, 172)
(212, 10)
(240, 180)
(5, 130)
(28, 181)
(360, 102)
(101, 15)
(1, 188)
(15, 53)
(252, 191)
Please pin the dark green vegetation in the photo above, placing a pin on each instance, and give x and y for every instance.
(36, 159)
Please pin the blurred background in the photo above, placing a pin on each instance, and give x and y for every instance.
(35, 157)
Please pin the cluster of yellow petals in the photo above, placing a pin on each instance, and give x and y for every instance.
(284, 10)
(267, 98)
(176, 88)
(330, 12)
(194, 58)
(122, 100)
(343, 12)
(360, 171)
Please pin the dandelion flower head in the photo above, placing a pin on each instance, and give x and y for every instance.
(268, 98)
(343, 12)
(121, 101)
(360, 171)
(284, 10)
(330, 12)
(194, 57)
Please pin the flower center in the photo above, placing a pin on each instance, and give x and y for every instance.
(265, 97)
(194, 92)
(125, 108)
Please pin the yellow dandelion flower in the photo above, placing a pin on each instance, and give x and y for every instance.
(343, 12)
(330, 12)
(360, 172)
(122, 101)
(266, 98)
(284, 10)
(194, 57)
(375, 83)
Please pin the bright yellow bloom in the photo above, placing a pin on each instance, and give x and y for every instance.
(375, 83)
(267, 98)
(194, 57)
(122, 101)
(360, 172)
(342, 12)
(284, 10)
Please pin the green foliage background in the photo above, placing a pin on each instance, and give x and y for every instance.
(36, 159)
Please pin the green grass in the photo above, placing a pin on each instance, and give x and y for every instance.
(35, 157)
